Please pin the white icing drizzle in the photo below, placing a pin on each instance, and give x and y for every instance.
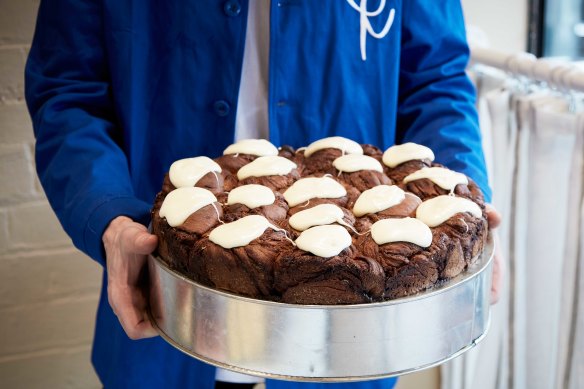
(436, 211)
(252, 196)
(187, 172)
(216, 177)
(324, 241)
(466, 228)
(347, 146)
(401, 230)
(259, 147)
(311, 187)
(217, 213)
(241, 232)
(354, 162)
(266, 166)
(378, 199)
(444, 178)
(399, 154)
(181, 203)
(319, 215)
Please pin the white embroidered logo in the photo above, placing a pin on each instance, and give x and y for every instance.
(366, 24)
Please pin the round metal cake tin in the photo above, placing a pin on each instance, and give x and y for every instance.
(326, 343)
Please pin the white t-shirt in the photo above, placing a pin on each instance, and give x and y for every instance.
(251, 120)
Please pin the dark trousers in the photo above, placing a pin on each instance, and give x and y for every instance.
(231, 385)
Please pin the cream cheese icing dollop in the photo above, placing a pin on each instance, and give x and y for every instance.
(324, 241)
(399, 154)
(187, 172)
(313, 187)
(266, 166)
(444, 178)
(181, 203)
(317, 216)
(241, 232)
(355, 162)
(259, 147)
(401, 230)
(347, 146)
(252, 196)
(377, 199)
(436, 211)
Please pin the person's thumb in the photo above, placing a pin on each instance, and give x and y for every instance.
(141, 242)
(493, 216)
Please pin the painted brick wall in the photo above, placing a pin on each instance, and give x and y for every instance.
(48, 290)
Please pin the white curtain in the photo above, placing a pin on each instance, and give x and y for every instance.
(534, 144)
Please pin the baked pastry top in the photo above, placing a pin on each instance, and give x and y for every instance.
(333, 223)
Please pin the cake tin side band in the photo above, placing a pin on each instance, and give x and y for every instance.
(322, 343)
(315, 379)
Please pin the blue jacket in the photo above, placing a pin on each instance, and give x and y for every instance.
(118, 90)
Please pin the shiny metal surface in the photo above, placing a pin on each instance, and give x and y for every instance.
(322, 343)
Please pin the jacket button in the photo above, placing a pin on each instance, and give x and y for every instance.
(232, 8)
(221, 107)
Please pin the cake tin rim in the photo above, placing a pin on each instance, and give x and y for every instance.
(476, 268)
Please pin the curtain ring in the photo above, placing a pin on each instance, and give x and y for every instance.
(569, 76)
(533, 69)
(563, 78)
(512, 64)
(567, 81)
(508, 64)
(555, 77)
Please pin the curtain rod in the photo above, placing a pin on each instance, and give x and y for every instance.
(563, 76)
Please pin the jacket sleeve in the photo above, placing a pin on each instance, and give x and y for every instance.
(79, 155)
(436, 99)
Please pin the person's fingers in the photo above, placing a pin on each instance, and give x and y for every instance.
(131, 311)
(494, 220)
(496, 281)
(498, 274)
(493, 216)
(145, 329)
(134, 321)
(127, 244)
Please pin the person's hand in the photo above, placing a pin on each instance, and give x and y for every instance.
(494, 220)
(127, 245)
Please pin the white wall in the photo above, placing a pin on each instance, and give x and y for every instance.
(503, 21)
(48, 290)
